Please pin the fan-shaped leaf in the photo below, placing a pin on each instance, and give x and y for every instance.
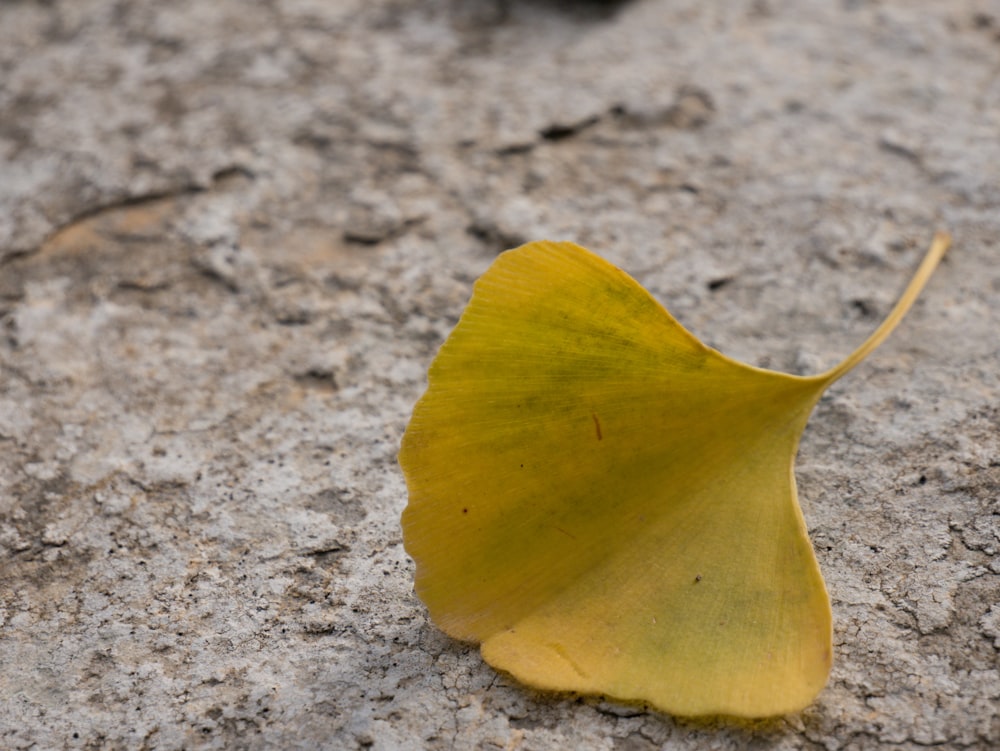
(608, 505)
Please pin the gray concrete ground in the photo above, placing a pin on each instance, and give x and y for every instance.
(233, 234)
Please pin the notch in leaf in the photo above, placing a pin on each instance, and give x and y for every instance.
(608, 505)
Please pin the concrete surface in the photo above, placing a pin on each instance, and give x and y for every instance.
(233, 235)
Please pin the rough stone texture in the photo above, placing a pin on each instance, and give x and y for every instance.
(234, 233)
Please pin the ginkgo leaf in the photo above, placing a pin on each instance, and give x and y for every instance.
(608, 505)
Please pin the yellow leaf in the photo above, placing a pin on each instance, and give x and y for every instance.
(608, 505)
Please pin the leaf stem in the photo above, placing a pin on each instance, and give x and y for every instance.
(939, 246)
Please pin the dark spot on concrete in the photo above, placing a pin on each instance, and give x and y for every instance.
(717, 284)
